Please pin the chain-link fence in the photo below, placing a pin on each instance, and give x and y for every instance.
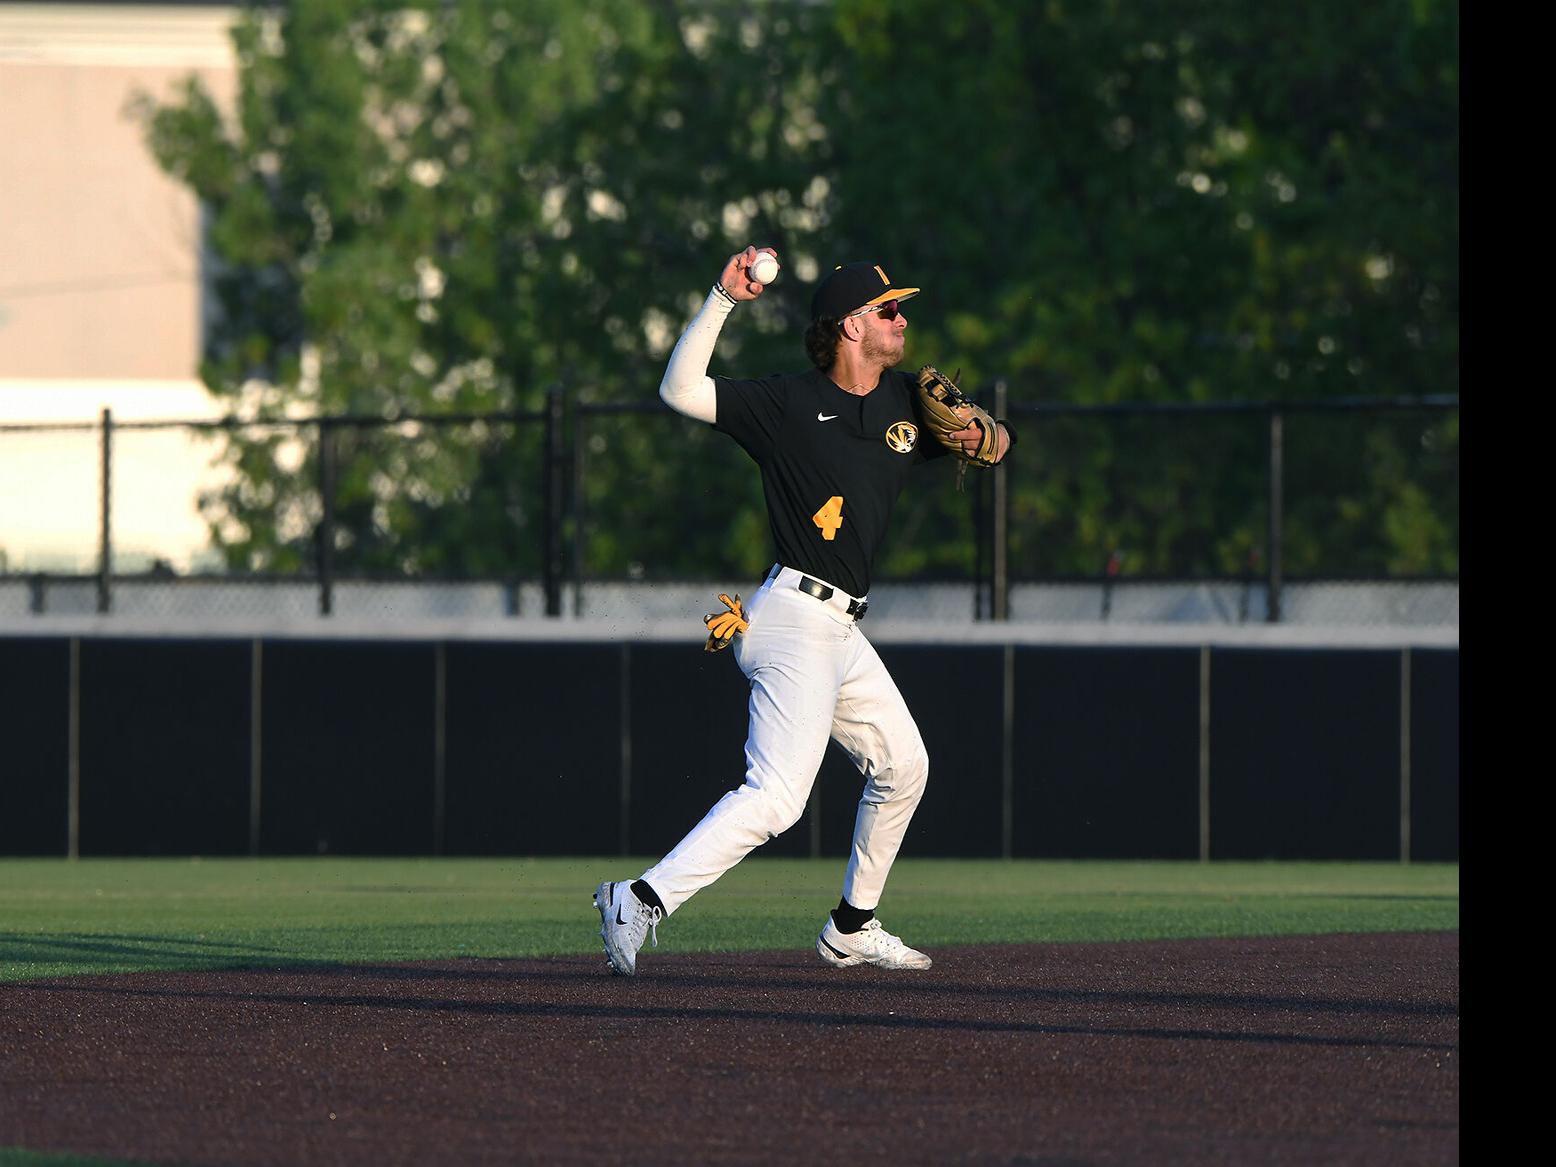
(1233, 510)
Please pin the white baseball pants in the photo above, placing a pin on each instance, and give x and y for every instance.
(813, 676)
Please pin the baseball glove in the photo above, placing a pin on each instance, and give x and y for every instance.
(945, 411)
(724, 626)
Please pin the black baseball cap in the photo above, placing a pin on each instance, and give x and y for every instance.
(852, 286)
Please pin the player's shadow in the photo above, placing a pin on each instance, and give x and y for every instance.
(112, 950)
(778, 978)
(869, 1016)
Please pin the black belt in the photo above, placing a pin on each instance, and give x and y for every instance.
(812, 587)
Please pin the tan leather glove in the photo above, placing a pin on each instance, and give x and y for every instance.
(946, 411)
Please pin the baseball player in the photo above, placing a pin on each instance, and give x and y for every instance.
(834, 445)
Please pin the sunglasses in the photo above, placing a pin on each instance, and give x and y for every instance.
(888, 310)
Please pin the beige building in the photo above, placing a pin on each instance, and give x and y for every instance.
(100, 290)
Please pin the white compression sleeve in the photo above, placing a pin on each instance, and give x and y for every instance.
(686, 387)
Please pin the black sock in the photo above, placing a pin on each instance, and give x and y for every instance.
(849, 918)
(647, 894)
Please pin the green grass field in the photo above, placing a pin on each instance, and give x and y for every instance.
(117, 915)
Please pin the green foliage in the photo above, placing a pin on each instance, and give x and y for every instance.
(434, 208)
(1175, 202)
(423, 206)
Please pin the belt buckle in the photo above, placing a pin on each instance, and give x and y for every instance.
(814, 588)
(818, 590)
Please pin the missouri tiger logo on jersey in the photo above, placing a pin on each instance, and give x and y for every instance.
(902, 436)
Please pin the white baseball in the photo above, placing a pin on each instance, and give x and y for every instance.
(764, 268)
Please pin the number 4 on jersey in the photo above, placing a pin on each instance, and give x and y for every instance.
(830, 517)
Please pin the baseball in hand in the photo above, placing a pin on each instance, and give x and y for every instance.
(764, 268)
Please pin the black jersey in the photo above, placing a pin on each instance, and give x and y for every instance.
(832, 464)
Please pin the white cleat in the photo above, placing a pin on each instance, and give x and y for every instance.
(872, 944)
(625, 922)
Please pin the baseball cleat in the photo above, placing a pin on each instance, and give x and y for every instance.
(625, 921)
(872, 944)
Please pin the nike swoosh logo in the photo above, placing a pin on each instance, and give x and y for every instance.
(834, 948)
(826, 416)
(619, 920)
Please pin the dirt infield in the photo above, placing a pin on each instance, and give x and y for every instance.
(1332, 1049)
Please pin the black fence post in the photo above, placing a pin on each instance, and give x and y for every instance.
(256, 739)
(1110, 573)
(326, 534)
(1001, 596)
(105, 526)
(439, 745)
(983, 583)
(554, 489)
(73, 755)
(1277, 505)
(577, 503)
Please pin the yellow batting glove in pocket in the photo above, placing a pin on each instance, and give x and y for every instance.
(723, 627)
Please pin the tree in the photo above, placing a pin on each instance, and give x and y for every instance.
(448, 207)
(1175, 202)
(437, 207)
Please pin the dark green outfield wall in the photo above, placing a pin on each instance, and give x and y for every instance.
(283, 747)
